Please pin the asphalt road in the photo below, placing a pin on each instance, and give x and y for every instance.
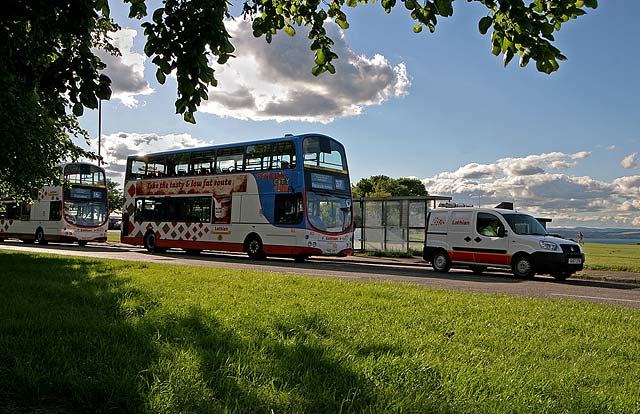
(364, 269)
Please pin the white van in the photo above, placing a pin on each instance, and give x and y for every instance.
(481, 238)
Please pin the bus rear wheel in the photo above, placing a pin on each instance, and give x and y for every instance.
(254, 247)
(40, 239)
(150, 242)
(82, 243)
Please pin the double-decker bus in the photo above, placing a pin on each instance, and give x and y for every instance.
(288, 196)
(75, 211)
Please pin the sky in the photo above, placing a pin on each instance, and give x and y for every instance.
(439, 107)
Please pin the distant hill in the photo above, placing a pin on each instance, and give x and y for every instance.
(596, 233)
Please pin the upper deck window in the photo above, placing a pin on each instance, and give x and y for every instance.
(325, 153)
(86, 174)
(230, 160)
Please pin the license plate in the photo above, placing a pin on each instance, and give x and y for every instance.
(575, 261)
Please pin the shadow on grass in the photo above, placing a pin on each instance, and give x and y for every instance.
(74, 337)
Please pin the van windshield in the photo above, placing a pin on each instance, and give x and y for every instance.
(525, 224)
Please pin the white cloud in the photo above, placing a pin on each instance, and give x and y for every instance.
(117, 147)
(568, 199)
(126, 71)
(274, 81)
(630, 161)
(538, 163)
(611, 147)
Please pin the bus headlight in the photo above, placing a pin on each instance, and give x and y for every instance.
(549, 245)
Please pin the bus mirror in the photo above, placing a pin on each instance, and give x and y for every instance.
(501, 232)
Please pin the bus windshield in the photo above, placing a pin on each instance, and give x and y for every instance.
(325, 153)
(85, 213)
(525, 224)
(328, 212)
(85, 206)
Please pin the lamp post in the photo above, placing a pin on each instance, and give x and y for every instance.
(99, 129)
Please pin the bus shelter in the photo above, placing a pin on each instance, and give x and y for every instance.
(392, 224)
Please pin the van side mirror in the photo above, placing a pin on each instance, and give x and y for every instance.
(501, 232)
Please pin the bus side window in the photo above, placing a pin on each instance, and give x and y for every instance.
(55, 211)
(229, 160)
(257, 157)
(13, 211)
(284, 155)
(26, 212)
(136, 169)
(288, 208)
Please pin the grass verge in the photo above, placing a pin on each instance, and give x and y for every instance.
(113, 237)
(616, 257)
(96, 335)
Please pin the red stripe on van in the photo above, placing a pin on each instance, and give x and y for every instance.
(493, 258)
(461, 256)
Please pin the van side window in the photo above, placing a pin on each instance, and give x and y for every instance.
(488, 225)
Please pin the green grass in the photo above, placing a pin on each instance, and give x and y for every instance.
(617, 257)
(113, 237)
(96, 335)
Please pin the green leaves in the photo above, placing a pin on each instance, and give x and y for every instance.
(484, 24)
(445, 8)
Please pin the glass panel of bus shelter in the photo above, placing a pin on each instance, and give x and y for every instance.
(284, 155)
(373, 214)
(396, 239)
(323, 152)
(229, 160)
(177, 164)
(417, 213)
(203, 162)
(393, 212)
(258, 157)
(357, 213)
(373, 239)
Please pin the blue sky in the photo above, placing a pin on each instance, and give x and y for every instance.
(439, 107)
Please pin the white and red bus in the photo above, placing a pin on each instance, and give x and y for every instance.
(288, 196)
(75, 211)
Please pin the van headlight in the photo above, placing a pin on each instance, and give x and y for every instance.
(549, 245)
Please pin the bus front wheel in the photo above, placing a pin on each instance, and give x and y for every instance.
(254, 247)
(40, 239)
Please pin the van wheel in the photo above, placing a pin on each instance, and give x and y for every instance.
(253, 247)
(150, 242)
(82, 243)
(522, 267)
(477, 270)
(40, 239)
(440, 261)
(561, 275)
